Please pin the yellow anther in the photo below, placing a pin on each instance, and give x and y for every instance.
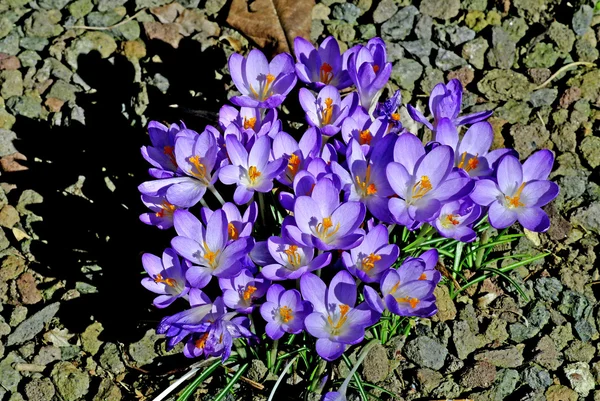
(286, 314)
(327, 112)
(293, 165)
(412, 301)
(450, 220)
(249, 122)
(201, 342)
(395, 116)
(471, 164)
(421, 187)
(365, 137)
(423, 276)
(366, 187)
(210, 256)
(344, 309)
(375, 68)
(253, 174)
(168, 281)
(249, 291)
(368, 262)
(166, 208)
(293, 256)
(323, 228)
(326, 74)
(515, 200)
(198, 170)
(232, 231)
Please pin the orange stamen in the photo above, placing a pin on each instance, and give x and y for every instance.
(365, 137)
(198, 171)
(421, 187)
(423, 276)
(169, 151)
(515, 200)
(396, 117)
(165, 208)
(232, 231)
(451, 220)
(368, 262)
(293, 165)
(375, 68)
(366, 187)
(413, 301)
(327, 112)
(210, 256)
(249, 122)
(201, 342)
(323, 228)
(253, 173)
(326, 74)
(286, 314)
(168, 281)
(249, 291)
(293, 256)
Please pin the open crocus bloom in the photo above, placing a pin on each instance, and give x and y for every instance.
(262, 84)
(456, 218)
(445, 101)
(167, 277)
(240, 291)
(284, 311)
(520, 192)
(296, 153)
(161, 154)
(327, 110)
(323, 65)
(336, 322)
(161, 214)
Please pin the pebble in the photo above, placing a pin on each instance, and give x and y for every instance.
(536, 377)
(426, 352)
(40, 390)
(442, 9)
(480, 375)
(580, 377)
(143, 352)
(582, 19)
(71, 383)
(32, 325)
(400, 25)
(510, 357)
(446, 60)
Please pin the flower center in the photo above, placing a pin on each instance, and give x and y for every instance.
(165, 208)
(327, 112)
(412, 301)
(375, 68)
(201, 342)
(168, 150)
(232, 231)
(365, 187)
(365, 137)
(423, 276)
(286, 314)
(249, 291)
(323, 228)
(368, 262)
(168, 281)
(293, 257)
(471, 164)
(344, 309)
(293, 165)
(326, 74)
(450, 220)
(395, 116)
(210, 256)
(253, 174)
(266, 91)
(515, 200)
(249, 122)
(421, 187)
(198, 170)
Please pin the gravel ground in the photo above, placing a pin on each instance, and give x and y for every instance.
(76, 324)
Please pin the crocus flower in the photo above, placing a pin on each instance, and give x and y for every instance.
(161, 154)
(336, 321)
(296, 153)
(208, 247)
(305, 181)
(327, 111)
(284, 311)
(323, 65)
(369, 71)
(423, 182)
(472, 152)
(363, 129)
(167, 277)
(262, 84)
(250, 121)
(520, 192)
(162, 212)
(250, 171)
(292, 261)
(196, 156)
(322, 221)
(388, 112)
(372, 257)
(445, 101)
(241, 290)
(456, 218)
(237, 225)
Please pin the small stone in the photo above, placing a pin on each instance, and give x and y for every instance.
(89, 338)
(376, 365)
(442, 9)
(143, 352)
(342, 31)
(47, 355)
(474, 52)
(40, 390)
(406, 72)
(426, 352)
(547, 354)
(321, 12)
(428, 380)
(94, 40)
(496, 331)
(580, 351)
(447, 389)
(28, 289)
(9, 62)
(18, 315)
(9, 216)
(105, 5)
(580, 378)
(511, 357)
(529, 138)
(9, 376)
(12, 83)
(384, 11)
(548, 288)
(516, 28)
(446, 309)
(346, 12)
(537, 378)
(110, 359)
(504, 49)
(134, 49)
(10, 44)
(80, 8)
(559, 392)
(34, 43)
(29, 58)
(71, 383)
(514, 112)
(44, 24)
(399, 26)
(502, 85)
(562, 36)
(33, 325)
(446, 60)
(64, 91)
(367, 31)
(543, 55)
(168, 33)
(586, 47)
(582, 19)
(482, 375)
(432, 77)
(258, 371)
(108, 391)
(419, 48)
(459, 34)
(589, 148)
(543, 97)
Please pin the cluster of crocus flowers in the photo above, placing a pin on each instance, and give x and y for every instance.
(328, 198)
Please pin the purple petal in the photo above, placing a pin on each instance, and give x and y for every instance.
(446, 133)
(501, 216)
(418, 116)
(313, 290)
(509, 175)
(485, 192)
(474, 117)
(329, 350)
(533, 219)
(436, 164)
(408, 150)
(342, 290)
(538, 166)
(477, 139)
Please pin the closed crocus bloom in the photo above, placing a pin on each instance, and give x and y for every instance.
(321, 66)
(372, 257)
(336, 321)
(369, 71)
(250, 171)
(423, 182)
(456, 220)
(250, 121)
(262, 84)
(296, 153)
(161, 154)
(519, 192)
(284, 312)
(241, 290)
(327, 111)
(388, 112)
(445, 101)
(167, 277)
(471, 153)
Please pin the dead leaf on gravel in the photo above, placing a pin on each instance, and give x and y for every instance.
(168, 33)
(58, 337)
(10, 164)
(272, 24)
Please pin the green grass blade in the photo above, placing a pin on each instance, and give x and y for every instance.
(357, 380)
(189, 390)
(231, 382)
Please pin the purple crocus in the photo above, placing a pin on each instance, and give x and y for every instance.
(372, 257)
(471, 153)
(322, 221)
(369, 71)
(241, 290)
(262, 84)
(445, 101)
(161, 154)
(519, 193)
(327, 111)
(323, 65)
(167, 277)
(161, 214)
(284, 311)
(363, 129)
(456, 218)
(292, 261)
(208, 247)
(250, 171)
(423, 182)
(250, 121)
(196, 156)
(336, 321)
(388, 112)
(296, 153)
(237, 225)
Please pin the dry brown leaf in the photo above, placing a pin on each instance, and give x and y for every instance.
(272, 24)
(10, 163)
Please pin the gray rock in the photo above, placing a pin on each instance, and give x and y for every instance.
(29, 105)
(423, 27)
(447, 389)
(562, 36)
(586, 329)
(212, 7)
(586, 47)
(399, 26)
(498, 85)
(258, 370)
(446, 60)
(536, 377)
(580, 351)
(47, 355)
(64, 91)
(367, 31)
(110, 359)
(384, 11)
(105, 5)
(428, 380)
(10, 44)
(530, 9)
(515, 27)
(510, 357)
(543, 55)
(580, 377)
(29, 58)
(44, 23)
(589, 148)
(376, 365)
(108, 391)
(480, 375)
(150, 3)
(514, 112)
(71, 383)
(459, 34)
(80, 8)
(442, 9)
(474, 5)
(543, 97)
(347, 12)
(464, 338)
(33, 325)
(40, 390)
(406, 72)
(582, 19)
(420, 48)
(547, 354)
(474, 52)
(34, 43)
(548, 288)
(9, 376)
(6, 145)
(504, 49)
(426, 352)
(143, 352)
